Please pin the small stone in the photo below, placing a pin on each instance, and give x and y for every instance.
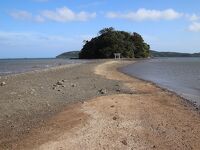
(114, 118)
(63, 85)
(63, 80)
(118, 90)
(59, 83)
(33, 90)
(73, 85)
(59, 90)
(153, 146)
(124, 142)
(112, 106)
(103, 91)
(3, 83)
(54, 88)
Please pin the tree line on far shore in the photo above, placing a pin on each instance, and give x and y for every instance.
(110, 41)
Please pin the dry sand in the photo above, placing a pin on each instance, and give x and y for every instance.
(135, 115)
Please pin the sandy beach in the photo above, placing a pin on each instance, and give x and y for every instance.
(93, 106)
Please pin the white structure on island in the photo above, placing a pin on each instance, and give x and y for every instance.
(117, 55)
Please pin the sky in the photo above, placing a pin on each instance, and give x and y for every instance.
(46, 28)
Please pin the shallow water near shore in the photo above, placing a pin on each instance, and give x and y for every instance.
(180, 75)
(14, 66)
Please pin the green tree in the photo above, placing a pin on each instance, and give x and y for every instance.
(111, 41)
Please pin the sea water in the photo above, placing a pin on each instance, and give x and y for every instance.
(180, 75)
(14, 66)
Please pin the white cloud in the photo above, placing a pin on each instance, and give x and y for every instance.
(146, 14)
(39, 18)
(21, 15)
(26, 16)
(194, 27)
(193, 17)
(65, 14)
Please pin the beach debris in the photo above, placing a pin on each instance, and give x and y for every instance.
(118, 90)
(59, 83)
(3, 83)
(33, 91)
(73, 85)
(102, 91)
(124, 142)
(114, 118)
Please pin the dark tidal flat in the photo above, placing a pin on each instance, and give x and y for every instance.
(14, 66)
(180, 75)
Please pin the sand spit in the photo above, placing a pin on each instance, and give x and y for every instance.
(132, 114)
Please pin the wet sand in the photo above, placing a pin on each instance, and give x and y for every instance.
(129, 114)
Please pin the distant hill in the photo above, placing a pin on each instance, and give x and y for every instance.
(172, 54)
(68, 55)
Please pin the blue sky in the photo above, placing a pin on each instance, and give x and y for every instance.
(46, 28)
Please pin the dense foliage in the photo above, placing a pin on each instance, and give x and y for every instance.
(111, 41)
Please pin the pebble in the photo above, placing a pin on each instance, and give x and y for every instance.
(103, 91)
(73, 85)
(114, 118)
(118, 90)
(124, 142)
(153, 146)
(59, 83)
(3, 83)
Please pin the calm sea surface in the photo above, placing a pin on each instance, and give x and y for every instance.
(181, 75)
(13, 66)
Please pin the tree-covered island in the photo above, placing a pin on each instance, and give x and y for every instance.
(110, 41)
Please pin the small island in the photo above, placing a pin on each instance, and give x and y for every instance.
(110, 41)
